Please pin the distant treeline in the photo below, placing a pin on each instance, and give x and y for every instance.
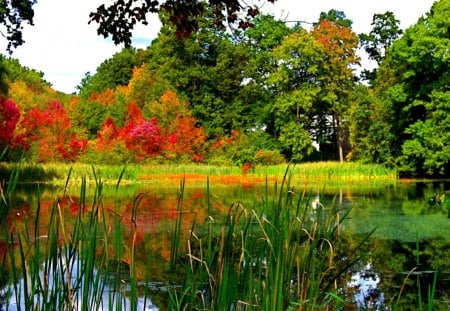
(263, 95)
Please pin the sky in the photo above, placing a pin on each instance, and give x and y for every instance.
(64, 47)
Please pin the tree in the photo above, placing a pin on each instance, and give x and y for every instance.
(413, 81)
(261, 40)
(181, 135)
(3, 84)
(50, 135)
(295, 82)
(144, 139)
(16, 78)
(147, 85)
(119, 19)
(335, 16)
(9, 117)
(370, 127)
(428, 149)
(12, 16)
(113, 72)
(385, 30)
(313, 81)
(207, 70)
(336, 77)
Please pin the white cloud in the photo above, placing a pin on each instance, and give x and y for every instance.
(359, 11)
(65, 47)
(62, 44)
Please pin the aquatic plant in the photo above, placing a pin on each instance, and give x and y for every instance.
(283, 252)
(59, 265)
(279, 255)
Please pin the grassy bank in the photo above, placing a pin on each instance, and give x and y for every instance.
(307, 172)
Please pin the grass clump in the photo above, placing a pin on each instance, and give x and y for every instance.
(57, 264)
(281, 255)
(302, 173)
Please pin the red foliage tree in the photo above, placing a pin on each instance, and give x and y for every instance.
(51, 132)
(144, 139)
(9, 117)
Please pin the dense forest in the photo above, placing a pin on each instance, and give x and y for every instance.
(264, 94)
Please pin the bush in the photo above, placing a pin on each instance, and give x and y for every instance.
(268, 157)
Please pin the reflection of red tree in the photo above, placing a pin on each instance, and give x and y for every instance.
(17, 217)
(70, 204)
(151, 211)
(3, 249)
(197, 194)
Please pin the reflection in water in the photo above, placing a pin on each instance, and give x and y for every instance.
(365, 284)
(398, 212)
(110, 299)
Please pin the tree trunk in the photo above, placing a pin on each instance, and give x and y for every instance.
(339, 138)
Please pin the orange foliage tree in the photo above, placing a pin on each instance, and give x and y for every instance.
(337, 78)
(181, 135)
(145, 86)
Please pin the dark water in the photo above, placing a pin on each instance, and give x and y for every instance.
(407, 253)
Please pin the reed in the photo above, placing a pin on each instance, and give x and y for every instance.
(69, 266)
(280, 253)
(277, 256)
(421, 304)
(307, 172)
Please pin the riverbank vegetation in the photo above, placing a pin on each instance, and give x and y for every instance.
(280, 250)
(56, 173)
(268, 95)
(82, 262)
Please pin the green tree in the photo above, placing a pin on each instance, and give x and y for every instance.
(370, 127)
(112, 72)
(261, 40)
(428, 149)
(335, 16)
(295, 81)
(3, 84)
(207, 70)
(385, 30)
(413, 80)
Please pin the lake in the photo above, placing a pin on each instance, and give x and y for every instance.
(406, 258)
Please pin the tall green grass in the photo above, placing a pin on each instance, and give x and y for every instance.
(305, 173)
(69, 266)
(280, 255)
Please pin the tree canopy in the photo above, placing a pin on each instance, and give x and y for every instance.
(260, 95)
(118, 19)
(12, 16)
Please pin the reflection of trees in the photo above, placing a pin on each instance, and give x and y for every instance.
(156, 211)
(413, 207)
(396, 263)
